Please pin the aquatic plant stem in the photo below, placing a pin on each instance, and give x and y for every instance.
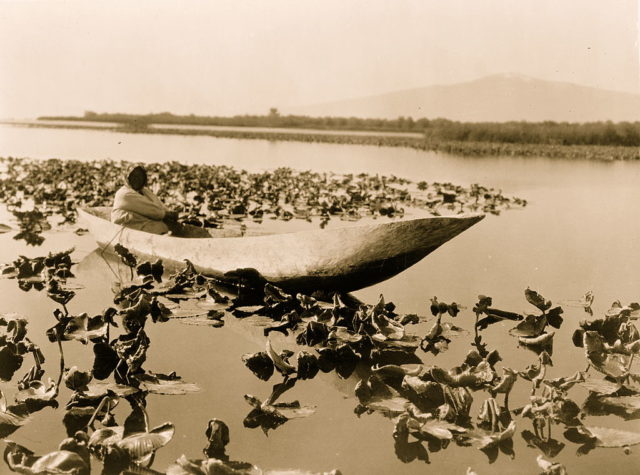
(59, 339)
(105, 400)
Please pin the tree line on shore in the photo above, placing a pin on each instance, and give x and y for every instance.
(435, 130)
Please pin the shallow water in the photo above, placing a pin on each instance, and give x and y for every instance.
(579, 232)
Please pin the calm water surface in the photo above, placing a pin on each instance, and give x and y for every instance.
(581, 231)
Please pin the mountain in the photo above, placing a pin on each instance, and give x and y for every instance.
(496, 98)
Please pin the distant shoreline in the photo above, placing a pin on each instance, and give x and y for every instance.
(371, 138)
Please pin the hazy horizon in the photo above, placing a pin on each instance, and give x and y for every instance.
(228, 58)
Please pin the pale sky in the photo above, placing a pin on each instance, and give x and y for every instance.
(231, 57)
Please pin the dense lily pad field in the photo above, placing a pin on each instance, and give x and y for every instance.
(433, 397)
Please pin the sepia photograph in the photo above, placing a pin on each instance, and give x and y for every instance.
(338, 237)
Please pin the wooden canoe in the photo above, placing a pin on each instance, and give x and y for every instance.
(339, 259)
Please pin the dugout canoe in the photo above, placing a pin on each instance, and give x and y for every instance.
(334, 259)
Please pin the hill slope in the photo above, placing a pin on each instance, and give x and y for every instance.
(495, 98)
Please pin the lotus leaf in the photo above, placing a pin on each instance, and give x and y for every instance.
(280, 364)
(476, 377)
(387, 327)
(76, 380)
(9, 420)
(159, 311)
(440, 429)
(217, 296)
(550, 468)
(327, 359)
(307, 303)
(132, 350)
(553, 405)
(600, 386)
(549, 446)
(632, 382)
(260, 364)
(489, 415)
(184, 466)
(80, 327)
(135, 316)
(457, 403)
(484, 302)
(10, 361)
(21, 459)
(545, 339)
(537, 300)
(407, 451)
(218, 435)
(398, 371)
(170, 384)
(374, 387)
(487, 441)
(105, 360)
(565, 383)
(617, 309)
(58, 294)
(347, 360)
(423, 393)
(127, 257)
(410, 319)
(627, 407)
(155, 269)
(100, 389)
(531, 326)
(606, 437)
(507, 381)
(103, 438)
(554, 317)
(611, 364)
(38, 395)
(314, 333)
(270, 416)
(307, 365)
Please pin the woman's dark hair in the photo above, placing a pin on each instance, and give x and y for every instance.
(137, 178)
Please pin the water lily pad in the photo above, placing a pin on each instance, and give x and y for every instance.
(260, 364)
(38, 395)
(390, 329)
(170, 384)
(473, 377)
(489, 440)
(21, 459)
(549, 446)
(280, 364)
(307, 365)
(600, 386)
(537, 300)
(75, 379)
(99, 389)
(624, 406)
(80, 327)
(10, 361)
(541, 340)
(550, 468)
(531, 326)
(607, 437)
(440, 429)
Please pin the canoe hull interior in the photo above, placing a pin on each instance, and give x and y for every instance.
(339, 259)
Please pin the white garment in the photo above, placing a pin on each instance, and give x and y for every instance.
(143, 211)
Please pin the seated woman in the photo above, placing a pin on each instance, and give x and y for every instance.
(136, 207)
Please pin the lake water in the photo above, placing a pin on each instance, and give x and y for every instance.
(580, 232)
